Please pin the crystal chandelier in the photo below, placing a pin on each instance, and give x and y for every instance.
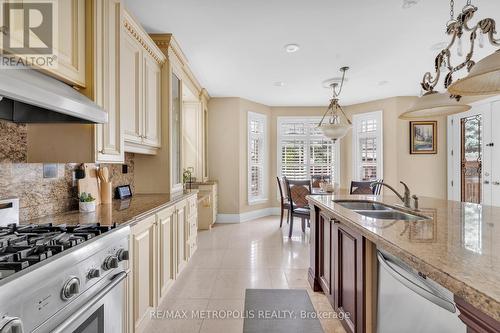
(483, 78)
(337, 126)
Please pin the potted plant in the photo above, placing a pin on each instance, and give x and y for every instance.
(86, 202)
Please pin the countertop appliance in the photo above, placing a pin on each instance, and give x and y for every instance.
(61, 278)
(411, 303)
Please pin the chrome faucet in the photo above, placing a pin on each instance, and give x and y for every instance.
(406, 198)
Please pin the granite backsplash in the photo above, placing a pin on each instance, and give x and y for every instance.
(41, 196)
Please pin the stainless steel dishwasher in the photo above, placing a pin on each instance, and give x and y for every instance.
(410, 303)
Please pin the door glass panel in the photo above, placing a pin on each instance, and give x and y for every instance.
(176, 130)
(471, 158)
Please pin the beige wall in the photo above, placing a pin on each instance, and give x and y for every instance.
(425, 174)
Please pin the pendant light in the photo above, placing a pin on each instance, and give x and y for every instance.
(433, 104)
(337, 126)
(484, 78)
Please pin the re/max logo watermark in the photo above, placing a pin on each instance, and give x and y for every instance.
(29, 34)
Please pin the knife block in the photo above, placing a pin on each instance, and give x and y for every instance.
(106, 192)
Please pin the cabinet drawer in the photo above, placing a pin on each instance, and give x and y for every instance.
(192, 205)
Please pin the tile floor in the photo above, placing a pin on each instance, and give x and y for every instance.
(231, 258)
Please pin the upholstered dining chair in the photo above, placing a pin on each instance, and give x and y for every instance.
(317, 179)
(297, 191)
(285, 202)
(365, 187)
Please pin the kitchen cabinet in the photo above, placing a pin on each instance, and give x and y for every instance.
(207, 209)
(339, 269)
(192, 138)
(70, 45)
(181, 223)
(161, 246)
(106, 78)
(348, 271)
(166, 247)
(144, 270)
(141, 89)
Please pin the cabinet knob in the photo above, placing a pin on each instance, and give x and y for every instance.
(496, 183)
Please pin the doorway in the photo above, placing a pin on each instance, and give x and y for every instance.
(474, 155)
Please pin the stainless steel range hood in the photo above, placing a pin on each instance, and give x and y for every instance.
(29, 96)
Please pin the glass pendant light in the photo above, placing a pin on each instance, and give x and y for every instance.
(337, 126)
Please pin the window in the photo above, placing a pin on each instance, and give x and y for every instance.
(257, 158)
(303, 151)
(367, 146)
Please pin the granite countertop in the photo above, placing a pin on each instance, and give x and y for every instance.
(458, 248)
(121, 212)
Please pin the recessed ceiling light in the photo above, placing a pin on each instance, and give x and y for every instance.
(409, 3)
(328, 83)
(279, 84)
(439, 46)
(291, 48)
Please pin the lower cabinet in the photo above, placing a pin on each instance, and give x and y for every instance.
(144, 271)
(341, 270)
(161, 246)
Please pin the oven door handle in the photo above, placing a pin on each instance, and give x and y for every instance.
(116, 280)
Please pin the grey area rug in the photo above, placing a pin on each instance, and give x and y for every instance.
(279, 310)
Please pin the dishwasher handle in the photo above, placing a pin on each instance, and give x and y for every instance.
(432, 297)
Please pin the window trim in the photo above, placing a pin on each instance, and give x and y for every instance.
(264, 197)
(356, 119)
(279, 137)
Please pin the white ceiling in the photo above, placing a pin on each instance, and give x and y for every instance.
(235, 47)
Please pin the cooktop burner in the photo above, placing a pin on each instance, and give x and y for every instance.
(24, 245)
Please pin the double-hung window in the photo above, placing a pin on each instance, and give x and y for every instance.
(303, 151)
(257, 158)
(367, 144)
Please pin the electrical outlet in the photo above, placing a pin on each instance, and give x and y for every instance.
(49, 170)
(124, 168)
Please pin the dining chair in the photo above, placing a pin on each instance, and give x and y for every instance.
(365, 187)
(378, 188)
(318, 179)
(285, 202)
(297, 191)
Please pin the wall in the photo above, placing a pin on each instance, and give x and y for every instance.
(425, 174)
(40, 196)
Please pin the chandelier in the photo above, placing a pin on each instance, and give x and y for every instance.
(483, 77)
(337, 126)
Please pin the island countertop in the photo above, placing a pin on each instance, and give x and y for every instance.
(458, 247)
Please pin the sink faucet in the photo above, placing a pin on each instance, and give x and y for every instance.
(406, 198)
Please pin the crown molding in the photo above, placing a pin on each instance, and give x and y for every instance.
(138, 33)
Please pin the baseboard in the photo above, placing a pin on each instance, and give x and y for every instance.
(248, 216)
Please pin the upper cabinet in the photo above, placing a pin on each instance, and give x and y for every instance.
(71, 42)
(141, 89)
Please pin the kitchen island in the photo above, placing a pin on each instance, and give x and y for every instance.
(458, 246)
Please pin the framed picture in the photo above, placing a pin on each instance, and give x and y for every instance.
(423, 137)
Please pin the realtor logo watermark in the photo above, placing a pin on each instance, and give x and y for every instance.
(29, 34)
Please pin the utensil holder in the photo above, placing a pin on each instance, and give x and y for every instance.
(106, 192)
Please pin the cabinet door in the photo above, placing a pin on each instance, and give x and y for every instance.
(181, 220)
(166, 220)
(348, 263)
(143, 244)
(71, 42)
(325, 254)
(152, 103)
(131, 91)
(107, 43)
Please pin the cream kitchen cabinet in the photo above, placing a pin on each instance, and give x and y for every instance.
(141, 84)
(144, 271)
(106, 78)
(161, 246)
(166, 247)
(70, 44)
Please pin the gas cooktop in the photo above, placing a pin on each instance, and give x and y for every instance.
(22, 246)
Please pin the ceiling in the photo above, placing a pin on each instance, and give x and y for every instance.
(236, 47)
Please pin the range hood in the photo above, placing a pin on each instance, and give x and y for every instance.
(28, 96)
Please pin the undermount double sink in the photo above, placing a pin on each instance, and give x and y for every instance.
(379, 211)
